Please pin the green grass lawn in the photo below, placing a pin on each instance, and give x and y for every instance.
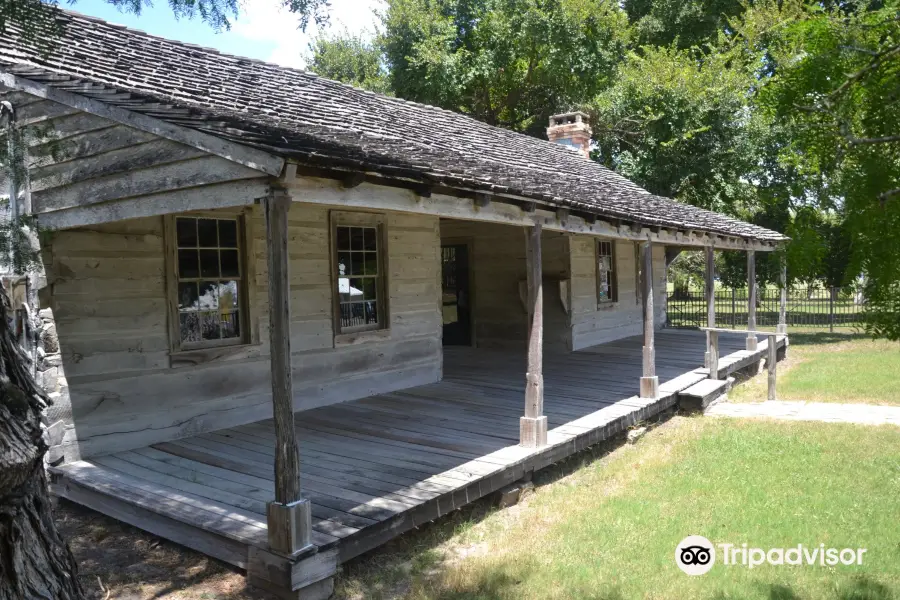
(823, 367)
(609, 530)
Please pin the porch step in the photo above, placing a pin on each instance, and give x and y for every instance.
(700, 395)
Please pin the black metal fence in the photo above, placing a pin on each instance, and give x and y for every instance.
(806, 307)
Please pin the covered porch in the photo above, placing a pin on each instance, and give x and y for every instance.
(374, 468)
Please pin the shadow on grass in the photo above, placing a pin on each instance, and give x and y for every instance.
(385, 571)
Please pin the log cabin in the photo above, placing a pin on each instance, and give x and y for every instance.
(283, 320)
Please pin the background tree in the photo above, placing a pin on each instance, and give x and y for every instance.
(511, 63)
(835, 73)
(684, 23)
(678, 126)
(350, 59)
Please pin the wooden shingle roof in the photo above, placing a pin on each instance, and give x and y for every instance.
(326, 124)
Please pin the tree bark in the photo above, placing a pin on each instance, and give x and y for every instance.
(35, 562)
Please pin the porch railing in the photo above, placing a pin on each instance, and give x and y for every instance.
(806, 307)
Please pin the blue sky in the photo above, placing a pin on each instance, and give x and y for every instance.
(263, 30)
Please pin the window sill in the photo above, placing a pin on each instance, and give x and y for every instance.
(361, 337)
(202, 356)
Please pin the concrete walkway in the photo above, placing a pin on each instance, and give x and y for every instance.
(864, 414)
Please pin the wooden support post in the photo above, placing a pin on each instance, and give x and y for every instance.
(288, 517)
(771, 362)
(533, 426)
(752, 343)
(713, 337)
(649, 382)
(710, 296)
(782, 306)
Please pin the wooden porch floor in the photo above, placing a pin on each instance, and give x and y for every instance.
(377, 467)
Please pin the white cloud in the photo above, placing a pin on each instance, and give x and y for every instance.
(268, 22)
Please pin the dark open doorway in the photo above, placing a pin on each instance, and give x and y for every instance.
(456, 304)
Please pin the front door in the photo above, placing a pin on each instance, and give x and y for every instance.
(455, 287)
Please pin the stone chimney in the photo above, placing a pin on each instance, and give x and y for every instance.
(572, 130)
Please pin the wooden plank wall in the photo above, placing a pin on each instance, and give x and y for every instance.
(108, 298)
(498, 265)
(593, 324)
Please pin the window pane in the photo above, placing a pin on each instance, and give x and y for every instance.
(230, 264)
(369, 239)
(343, 238)
(228, 295)
(344, 288)
(371, 263)
(187, 296)
(356, 238)
(371, 313)
(231, 326)
(369, 288)
(228, 233)
(186, 232)
(345, 314)
(209, 263)
(209, 296)
(190, 327)
(206, 231)
(357, 314)
(343, 265)
(209, 326)
(356, 289)
(357, 267)
(188, 264)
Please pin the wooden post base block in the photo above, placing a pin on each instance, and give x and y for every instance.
(320, 590)
(533, 432)
(289, 527)
(308, 577)
(650, 387)
(752, 343)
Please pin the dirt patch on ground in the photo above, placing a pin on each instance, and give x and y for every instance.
(119, 562)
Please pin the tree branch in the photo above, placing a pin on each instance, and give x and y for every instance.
(855, 141)
(885, 196)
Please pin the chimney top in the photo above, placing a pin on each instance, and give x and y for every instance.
(568, 118)
(571, 130)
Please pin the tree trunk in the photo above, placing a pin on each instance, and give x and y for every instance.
(35, 562)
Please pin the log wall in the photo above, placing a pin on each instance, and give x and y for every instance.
(109, 302)
(596, 324)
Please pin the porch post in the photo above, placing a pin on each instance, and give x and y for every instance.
(533, 426)
(710, 296)
(751, 301)
(649, 381)
(288, 516)
(782, 306)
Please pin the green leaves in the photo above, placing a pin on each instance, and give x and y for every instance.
(511, 63)
(350, 59)
(835, 83)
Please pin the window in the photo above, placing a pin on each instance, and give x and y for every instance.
(210, 284)
(359, 272)
(606, 272)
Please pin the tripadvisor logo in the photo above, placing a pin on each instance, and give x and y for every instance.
(696, 555)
